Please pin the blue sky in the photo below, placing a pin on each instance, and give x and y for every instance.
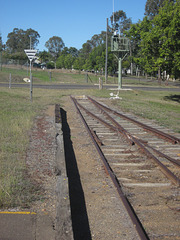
(75, 21)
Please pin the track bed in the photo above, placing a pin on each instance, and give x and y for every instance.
(144, 164)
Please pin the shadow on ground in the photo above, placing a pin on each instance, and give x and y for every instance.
(175, 98)
(80, 222)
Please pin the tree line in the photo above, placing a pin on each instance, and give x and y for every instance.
(154, 43)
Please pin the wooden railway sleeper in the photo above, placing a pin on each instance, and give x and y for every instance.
(162, 167)
(136, 222)
(151, 129)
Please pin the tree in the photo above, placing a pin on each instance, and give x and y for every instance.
(158, 45)
(166, 25)
(44, 56)
(152, 7)
(67, 58)
(136, 34)
(72, 50)
(78, 63)
(0, 42)
(68, 61)
(55, 45)
(18, 40)
(97, 39)
(86, 49)
(0, 52)
(121, 22)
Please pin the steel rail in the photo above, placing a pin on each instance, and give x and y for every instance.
(151, 129)
(170, 175)
(136, 222)
(174, 161)
(119, 129)
(99, 142)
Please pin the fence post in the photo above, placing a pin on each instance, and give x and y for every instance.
(100, 84)
(10, 80)
(86, 77)
(50, 74)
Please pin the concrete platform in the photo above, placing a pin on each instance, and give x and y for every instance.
(25, 226)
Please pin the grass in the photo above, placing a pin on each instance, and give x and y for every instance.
(159, 106)
(67, 76)
(17, 114)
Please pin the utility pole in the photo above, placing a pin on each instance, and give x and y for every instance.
(106, 72)
(0, 53)
(30, 41)
(1, 59)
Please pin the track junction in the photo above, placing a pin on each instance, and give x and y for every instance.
(143, 163)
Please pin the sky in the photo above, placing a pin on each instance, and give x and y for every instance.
(75, 21)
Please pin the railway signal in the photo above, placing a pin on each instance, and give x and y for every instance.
(120, 48)
(31, 55)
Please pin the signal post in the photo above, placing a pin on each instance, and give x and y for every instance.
(31, 55)
(120, 48)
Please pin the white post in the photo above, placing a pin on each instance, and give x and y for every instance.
(100, 84)
(10, 80)
(30, 82)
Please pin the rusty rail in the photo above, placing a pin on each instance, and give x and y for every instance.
(174, 161)
(136, 222)
(148, 128)
(118, 129)
(142, 147)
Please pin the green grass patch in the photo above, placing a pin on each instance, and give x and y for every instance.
(66, 76)
(158, 106)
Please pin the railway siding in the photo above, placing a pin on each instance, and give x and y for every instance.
(151, 190)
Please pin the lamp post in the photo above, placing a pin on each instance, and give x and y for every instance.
(0, 54)
(106, 72)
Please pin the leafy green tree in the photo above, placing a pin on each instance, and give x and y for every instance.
(60, 62)
(73, 52)
(78, 63)
(121, 22)
(44, 56)
(55, 45)
(157, 41)
(136, 34)
(50, 65)
(0, 42)
(97, 39)
(67, 58)
(68, 61)
(152, 7)
(166, 25)
(18, 40)
(86, 50)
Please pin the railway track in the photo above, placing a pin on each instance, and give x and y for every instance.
(143, 163)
